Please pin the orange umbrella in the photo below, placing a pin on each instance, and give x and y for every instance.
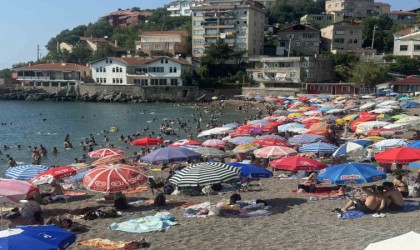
(317, 132)
(319, 126)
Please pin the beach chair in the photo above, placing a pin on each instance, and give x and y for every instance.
(155, 185)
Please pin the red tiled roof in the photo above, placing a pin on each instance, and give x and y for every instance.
(407, 81)
(129, 13)
(399, 12)
(168, 32)
(140, 61)
(404, 32)
(56, 67)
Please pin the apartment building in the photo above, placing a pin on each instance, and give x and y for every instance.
(351, 8)
(402, 17)
(240, 23)
(272, 72)
(407, 42)
(319, 21)
(174, 42)
(180, 8)
(153, 71)
(298, 40)
(124, 18)
(52, 74)
(381, 8)
(344, 36)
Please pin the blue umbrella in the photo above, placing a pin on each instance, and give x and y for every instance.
(242, 140)
(252, 171)
(25, 172)
(305, 138)
(415, 144)
(318, 147)
(270, 136)
(351, 146)
(414, 164)
(351, 173)
(288, 126)
(410, 105)
(36, 238)
(169, 154)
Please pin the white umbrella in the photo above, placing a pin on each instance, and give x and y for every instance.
(389, 102)
(367, 105)
(333, 111)
(299, 130)
(390, 143)
(381, 111)
(408, 241)
(413, 120)
(215, 131)
(367, 96)
(364, 127)
(398, 126)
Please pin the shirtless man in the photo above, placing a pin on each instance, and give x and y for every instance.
(393, 198)
(370, 205)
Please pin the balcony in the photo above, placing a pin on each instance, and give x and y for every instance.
(210, 35)
(220, 26)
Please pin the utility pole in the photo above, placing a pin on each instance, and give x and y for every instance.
(290, 46)
(373, 36)
(37, 52)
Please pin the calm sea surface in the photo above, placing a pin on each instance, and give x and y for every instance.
(47, 123)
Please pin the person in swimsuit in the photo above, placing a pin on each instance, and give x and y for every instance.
(393, 199)
(370, 205)
(401, 185)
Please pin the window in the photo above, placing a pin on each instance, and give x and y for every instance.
(245, 22)
(174, 69)
(416, 47)
(146, 47)
(158, 47)
(121, 80)
(106, 61)
(198, 32)
(339, 40)
(156, 69)
(113, 70)
(323, 88)
(171, 46)
(355, 41)
(245, 12)
(197, 23)
(170, 69)
(104, 69)
(174, 82)
(166, 61)
(161, 60)
(97, 70)
(198, 41)
(110, 60)
(345, 89)
(340, 32)
(121, 70)
(312, 87)
(113, 80)
(350, 41)
(100, 69)
(403, 47)
(292, 74)
(260, 75)
(97, 80)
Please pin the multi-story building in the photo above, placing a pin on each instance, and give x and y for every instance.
(52, 74)
(154, 71)
(298, 40)
(344, 36)
(288, 71)
(319, 21)
(174, 42)
(381, 8)
(124, 18)
(180, 8)
(407, 42)
(351, 8)
(402, 17)
(240, 23)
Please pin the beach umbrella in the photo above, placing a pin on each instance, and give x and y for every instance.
(274, 124)
(36, 238)
(15, 190)
(319, 126)
(108, 159)
(408, 241)
(398, 126)
(288, 126)
(414, 144)
(258, 122)
(299, 130)
(232, 125)
(114, 178)
(367, 105)
(242, 140)
(214, 143)
(374, 138)
(410, 105)
(270, 136)
(215, 131)
(383, 132)
(399, 116)
(317, 132)
(25, 172)
(53, 174)
(274, 152)
(295, 115)
(205, 173)
(334, 111)
(412, 120)
(77, 177)
(185, 142)
(305, 138)
(209, 152)
(386, 103)
(318, 147)
(351, 173)
(105, 152)
(244, 148)
(390, 143)
(364, 127)
(252, 171)
(147, 141)
(383, 117)
(168, 154)
(381, 110)
(351, 148)
(401, 155)
(271, 142)
(405, 98)
(293, 163)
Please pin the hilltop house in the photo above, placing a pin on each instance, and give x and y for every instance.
(351, 8)
(381, 8)
(299, 40)
(344, 36)
(153, 71)
(407, 42)
(402, 17)
(174, 42)
(180, 8)
(52, 74)
(124, 18)
(320, 21)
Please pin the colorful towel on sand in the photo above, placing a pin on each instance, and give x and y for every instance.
(187, 204)
(162, 221)
(136, 190)
(409, 206)
(74, 193)
(103, 243)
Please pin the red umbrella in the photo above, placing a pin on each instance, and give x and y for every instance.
(105, 152)
(114, 178)
(274, 152)
(14, 190)
(297, 163)
(271, 142)
(53, 174)
(214, 143)
(401, 155)
(107, 160)
(275, 124)
(147, 141)
(185, 142)
(303, 98)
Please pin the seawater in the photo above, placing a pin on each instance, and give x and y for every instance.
(47, 123)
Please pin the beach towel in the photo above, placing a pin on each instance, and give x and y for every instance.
(162, 221)
(318, 190)
(187, 204)
(409, 206)
(103, 243)
(136, 190)
(197, 211)
(74, 193)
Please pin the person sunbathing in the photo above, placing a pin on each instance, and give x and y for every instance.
(401, 185)
(341, 192)
(370, 205)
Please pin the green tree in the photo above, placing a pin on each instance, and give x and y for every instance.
(405, 65)
(99, 29)
(107, 51)
(290, 11)
(384, 40)
(160, 53)
(136, 9)
(343, 64)
(80, 55)
(141, 53)
(6, 73)
(368, 74)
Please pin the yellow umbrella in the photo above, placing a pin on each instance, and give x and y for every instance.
(312, 118)
(294, 115)
(303, 108)
(340, 122)
(244, 148)
(375, 138)
(350, 117)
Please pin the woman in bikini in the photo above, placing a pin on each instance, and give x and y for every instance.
(401, 186)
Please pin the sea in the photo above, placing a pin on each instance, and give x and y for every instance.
(47, 123)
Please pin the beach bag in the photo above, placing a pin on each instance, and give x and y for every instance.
(168, 189)
(121, 203)
(160, 200)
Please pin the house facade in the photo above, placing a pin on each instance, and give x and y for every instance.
(271, 72)
(156, 71)
(299, 40)
(351, 8)
(344, 36)
(319, 21)
(174, 42)
(331, 88)
(240, 23)
(402, 17)
(180, 8)
(124, 18)
(382, 8)
(407, 42)
(52, 74)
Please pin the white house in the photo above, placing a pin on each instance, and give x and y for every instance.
(180, 8)
(164, 71)
(407, 42)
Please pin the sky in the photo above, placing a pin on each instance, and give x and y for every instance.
(24, 24)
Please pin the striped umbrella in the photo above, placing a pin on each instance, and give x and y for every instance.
(25, 172)
(274, 152)
(305, 138)
(14, 190)
(244, 148)
(108, 159)
(205, 173)
(390, 143)
(105, 152)
(318, 147)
